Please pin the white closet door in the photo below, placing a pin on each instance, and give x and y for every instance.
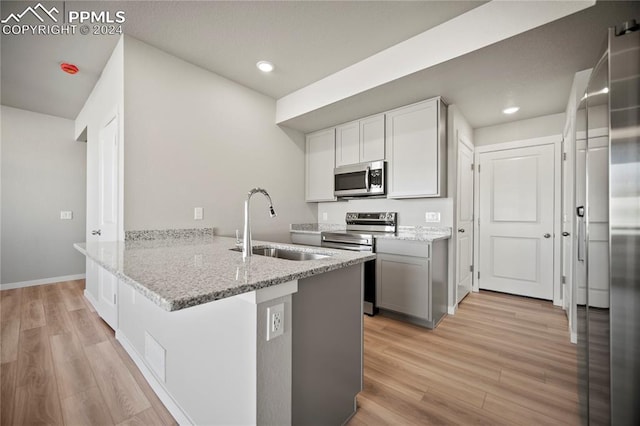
(516, 221)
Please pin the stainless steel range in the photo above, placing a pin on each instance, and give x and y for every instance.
(360, 236)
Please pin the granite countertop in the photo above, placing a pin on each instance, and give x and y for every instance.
(410, 233)
(419, 233)
(177, 273)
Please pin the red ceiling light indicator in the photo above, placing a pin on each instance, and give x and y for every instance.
(69, 68)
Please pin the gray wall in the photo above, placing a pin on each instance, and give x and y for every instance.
(547, 125)
(43, 172)
(195, 139)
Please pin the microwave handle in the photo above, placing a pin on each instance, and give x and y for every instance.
(367, 183)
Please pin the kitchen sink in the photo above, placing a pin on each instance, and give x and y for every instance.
(282, 253)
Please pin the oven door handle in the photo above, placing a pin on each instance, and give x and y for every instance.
(347, 239)
(349, 247)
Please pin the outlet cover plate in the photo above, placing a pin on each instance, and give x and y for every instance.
(66, 215)
(275, 321)
(198, 213)
(432, 217)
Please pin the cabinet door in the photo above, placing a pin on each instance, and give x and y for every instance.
(413, 151)
(92, 289)
(108, 297)
(347, 144)
(320, 160)
(101, 290)
(402, 284)
(372, 138)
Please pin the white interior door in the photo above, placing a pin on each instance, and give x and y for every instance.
(108, 181)
(107, 211)
(464, 220)
(516, 221)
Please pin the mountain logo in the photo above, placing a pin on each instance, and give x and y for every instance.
(34, 11)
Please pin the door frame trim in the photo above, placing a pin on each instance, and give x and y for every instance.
(556, 141)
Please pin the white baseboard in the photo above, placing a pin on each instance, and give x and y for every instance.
(52, 280)
(451, 310)
(181, 417)
(574, 337)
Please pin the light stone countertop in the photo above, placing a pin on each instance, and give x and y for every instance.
(315, 228)
(177, 273)
(419, 233)
(409, 233)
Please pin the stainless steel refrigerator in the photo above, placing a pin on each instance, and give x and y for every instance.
(608, 234)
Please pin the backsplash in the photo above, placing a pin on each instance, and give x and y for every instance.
(411, 212)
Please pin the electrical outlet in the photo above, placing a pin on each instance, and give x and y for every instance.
(198, 213)
(275, 321)
(325, 216)
(432, 217)
(66, 215)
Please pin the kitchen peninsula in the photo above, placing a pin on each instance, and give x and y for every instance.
(198, 322)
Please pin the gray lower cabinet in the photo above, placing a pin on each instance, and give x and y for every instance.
(411, 280)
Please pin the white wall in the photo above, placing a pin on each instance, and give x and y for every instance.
(195, 139)
(43, 172)
(547, 125)
(410, 212)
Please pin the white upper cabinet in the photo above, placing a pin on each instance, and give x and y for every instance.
(360, 141)
(416, 150)
(320, 161)
(348, 144)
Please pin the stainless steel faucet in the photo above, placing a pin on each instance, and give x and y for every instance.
(246, 238)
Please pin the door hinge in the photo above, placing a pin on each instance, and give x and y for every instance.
(114, 298)
(471, 268)
(478, 168)
(472, 166)
(564, 156)
(564, 280)
(478, 274)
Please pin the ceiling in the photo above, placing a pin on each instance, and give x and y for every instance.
(309, 40)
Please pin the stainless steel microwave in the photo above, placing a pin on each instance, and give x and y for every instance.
(360, 180)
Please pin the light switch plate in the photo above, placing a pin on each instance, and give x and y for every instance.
(198, 213)
(66, 215)
(432, 217)
(325, 216)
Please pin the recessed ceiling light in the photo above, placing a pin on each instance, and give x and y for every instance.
(265, 66)
(510, 110)
(69, 68)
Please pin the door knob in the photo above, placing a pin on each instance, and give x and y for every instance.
(547, 235)
(461, 230)
(565, 234)
(96, 232)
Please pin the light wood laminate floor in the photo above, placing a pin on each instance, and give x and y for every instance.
(500, 360)
(61, 364)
